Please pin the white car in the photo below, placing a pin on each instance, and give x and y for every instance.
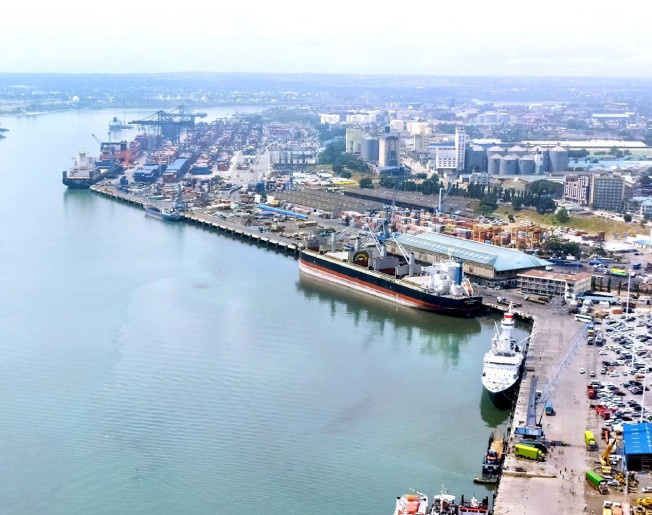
(592, 373)
(603, 353)
(582, 371)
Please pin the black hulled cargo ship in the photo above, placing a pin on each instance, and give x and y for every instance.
(84, 173)
(439, 288)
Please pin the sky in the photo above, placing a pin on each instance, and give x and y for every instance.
(455, 37)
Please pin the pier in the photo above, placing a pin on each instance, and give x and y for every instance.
(556, 485)
(251, 234)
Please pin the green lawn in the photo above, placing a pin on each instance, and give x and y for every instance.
(591, 224)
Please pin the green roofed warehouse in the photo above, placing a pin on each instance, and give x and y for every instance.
(486, 264)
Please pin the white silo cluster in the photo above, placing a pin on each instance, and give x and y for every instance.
(518, 160)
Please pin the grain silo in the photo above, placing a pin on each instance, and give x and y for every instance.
(526, 165)
(508, 165)
(493, 165)
(476, 159)
(518, 150)
(370, 147)
(495, 150)
(558, 159)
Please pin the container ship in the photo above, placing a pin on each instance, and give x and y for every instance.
(439, 288)
(503, 364)
(84, 173)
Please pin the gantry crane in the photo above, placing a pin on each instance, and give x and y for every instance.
(170, 124)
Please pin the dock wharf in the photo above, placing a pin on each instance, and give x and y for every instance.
(556, 485)
(251, 234)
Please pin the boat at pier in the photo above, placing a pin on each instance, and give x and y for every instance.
(474, 507)
(493, 458)
(169, 214)
(412, 504)
(503, 364)
(84, 172)
(443, 504)
(440, 288)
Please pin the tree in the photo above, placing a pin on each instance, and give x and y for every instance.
(366, 182)
(609, 285)
(593, 283)
(517, 203)
(562, 216)
(627, 217)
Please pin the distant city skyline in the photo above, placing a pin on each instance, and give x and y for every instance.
(427, 38)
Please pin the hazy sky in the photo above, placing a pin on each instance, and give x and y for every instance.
(455, 37)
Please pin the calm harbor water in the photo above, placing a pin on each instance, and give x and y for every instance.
(148, 367)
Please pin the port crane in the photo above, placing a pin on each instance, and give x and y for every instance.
(170, 124)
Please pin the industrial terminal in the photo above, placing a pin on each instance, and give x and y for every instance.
(405, 223)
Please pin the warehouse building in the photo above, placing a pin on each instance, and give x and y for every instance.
(551, 284)
(637, 447)
(486, 264)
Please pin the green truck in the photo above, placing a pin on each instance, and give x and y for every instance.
(589, 440)
(597, 481)
(528, 452)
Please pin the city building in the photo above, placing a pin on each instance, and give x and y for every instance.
(388, 151)
(607, 192)
(461, 139)
(551, 284)
(421, 143)
(329, 118)
(354, 137)
(363, 118)
(450, 155)
(577, 189)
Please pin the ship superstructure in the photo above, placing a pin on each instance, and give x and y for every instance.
(84, 172)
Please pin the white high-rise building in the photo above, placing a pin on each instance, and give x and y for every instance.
(450, 156)
(461, 140)
(354, 136)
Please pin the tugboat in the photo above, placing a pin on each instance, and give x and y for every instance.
(443, 504)
(474, 507)
(412, 504)
(493, 458)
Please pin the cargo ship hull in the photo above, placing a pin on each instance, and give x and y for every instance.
(170, 217)
(505, 398)
(376, 284)
(83, 183)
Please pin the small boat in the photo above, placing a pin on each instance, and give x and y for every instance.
(443, 504)
(492, 480)
(493, 458)
(474, 507)
(412, 504)
(169, 214)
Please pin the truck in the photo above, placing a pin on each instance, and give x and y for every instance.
(506, 302)
(617, 509)
(596, 481)
(590, 392)
(528, 452)
(637, 266)
(549, 409)
(537, 298)
(589, 440)
(607, 508)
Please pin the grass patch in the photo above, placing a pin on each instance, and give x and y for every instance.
(591, 224)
